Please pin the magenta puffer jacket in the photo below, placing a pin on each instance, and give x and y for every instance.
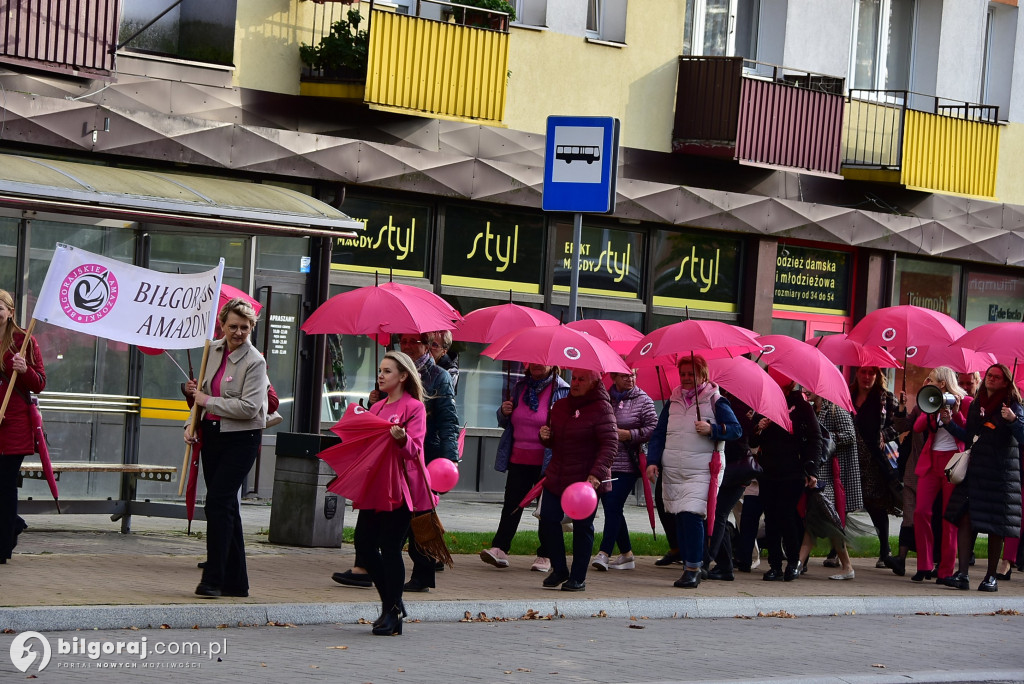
(584, 440)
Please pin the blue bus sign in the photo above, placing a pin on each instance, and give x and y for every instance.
(580, 163)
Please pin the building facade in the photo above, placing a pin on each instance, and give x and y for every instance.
(787, 165)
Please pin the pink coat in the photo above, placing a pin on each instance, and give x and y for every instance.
(925, 423)
(413, 415)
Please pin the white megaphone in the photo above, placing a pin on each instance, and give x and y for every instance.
(931, 399)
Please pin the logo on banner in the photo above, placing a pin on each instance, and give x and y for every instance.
(88, 293)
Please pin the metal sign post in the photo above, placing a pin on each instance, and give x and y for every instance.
(580, 164)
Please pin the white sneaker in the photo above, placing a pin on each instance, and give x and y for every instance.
(495, 557)
(622, 562)
(600, 561)
(541, 564)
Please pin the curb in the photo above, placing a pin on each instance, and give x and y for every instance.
(215, 614)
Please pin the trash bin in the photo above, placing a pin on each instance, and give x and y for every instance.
(303, 512)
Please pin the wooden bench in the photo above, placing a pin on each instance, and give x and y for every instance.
(118, 510)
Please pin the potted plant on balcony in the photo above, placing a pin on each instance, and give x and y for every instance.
(482, 19)
(341, 54)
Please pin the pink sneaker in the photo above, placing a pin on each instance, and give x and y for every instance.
(541, 564)
(495, 557)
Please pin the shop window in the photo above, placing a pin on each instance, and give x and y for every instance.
(194, 30)
(993, 298)
(929, 284)
(882, 43)
(606, 20)
(280, 253)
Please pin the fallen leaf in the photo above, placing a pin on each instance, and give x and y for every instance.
(314, 667)
(134, 628)
(508, 671)
(8, 631)
(165, 626)
(637, 626)
(600, 614)
(777, 614)
(743, 617)
(523, 669)
(339, 648)
(1007, 611)
(222, 626)
(401, 670)
(878, 665)
(263, 664)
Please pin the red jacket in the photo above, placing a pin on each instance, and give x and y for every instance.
(584, 440)
(16, 437)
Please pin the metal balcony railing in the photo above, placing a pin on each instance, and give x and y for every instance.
(921, 141)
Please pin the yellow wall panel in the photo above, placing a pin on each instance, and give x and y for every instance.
(437, 68)
(945, 154)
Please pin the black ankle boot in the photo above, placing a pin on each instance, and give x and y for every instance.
(390, 622)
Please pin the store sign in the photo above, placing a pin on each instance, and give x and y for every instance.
(493, 249)
(609, 261)
(394, 240)
(812, 280)
(928, 290)
(994, 298)
(697, 270)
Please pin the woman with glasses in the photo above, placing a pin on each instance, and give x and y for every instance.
(439, 346)
(636, 418)
(989, 499)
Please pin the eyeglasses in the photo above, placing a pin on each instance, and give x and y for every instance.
(436, 345)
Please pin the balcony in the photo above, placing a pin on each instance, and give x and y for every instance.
(759, 114)
(445, 61)
(922, 142)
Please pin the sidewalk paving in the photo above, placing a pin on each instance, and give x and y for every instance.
(72, 572)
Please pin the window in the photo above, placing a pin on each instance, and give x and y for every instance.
(882, 44)
(606, 20)
(531, 12)
(721, 28)
(195, 30)
(997, 67)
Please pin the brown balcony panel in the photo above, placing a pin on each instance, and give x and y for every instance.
(62, 36)
(707, 105)
(783, 125)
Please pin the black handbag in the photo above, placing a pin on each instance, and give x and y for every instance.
(741, 471)
(828, 447)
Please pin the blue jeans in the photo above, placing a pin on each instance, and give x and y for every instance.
(615, 529)
(551, 538)
(690, 531)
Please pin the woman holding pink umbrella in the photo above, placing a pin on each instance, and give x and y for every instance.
(696, 419)
(989, 499)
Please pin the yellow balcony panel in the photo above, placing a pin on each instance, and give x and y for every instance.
(436, 68)
(341, 90)
(952, 155)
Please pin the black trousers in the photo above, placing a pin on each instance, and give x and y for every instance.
(551, 515)
(782, 526)
(227, 459)
(379, 537)
(10, 467)
(519, 478)
(668, 520)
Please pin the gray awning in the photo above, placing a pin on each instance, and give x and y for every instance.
(53, 185)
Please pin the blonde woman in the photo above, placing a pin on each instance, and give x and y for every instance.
(939, 446)
(233, 399)
(16, 438)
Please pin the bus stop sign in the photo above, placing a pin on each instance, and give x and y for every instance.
(580, 163)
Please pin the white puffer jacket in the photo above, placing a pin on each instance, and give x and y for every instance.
(686, 461)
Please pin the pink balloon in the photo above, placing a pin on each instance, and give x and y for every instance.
(444, 474)
(579, 500)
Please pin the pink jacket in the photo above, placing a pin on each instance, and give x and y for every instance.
(413, 415)
(927, 423)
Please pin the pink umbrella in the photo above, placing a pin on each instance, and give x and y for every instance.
(557, 345)
(710, 339)
(748, 381)
(619, 336)
(380, 310)
(532, 494)
(648, 495)
(903, 328)
(657, 381)
(960, 359)
(493, 322)
(39, 437)
(1004, 340)
(843, 351)
(716, 469)
(808, 366)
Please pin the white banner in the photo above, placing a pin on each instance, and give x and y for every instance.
(104, 297)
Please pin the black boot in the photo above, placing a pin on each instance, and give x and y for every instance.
(390, 622)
